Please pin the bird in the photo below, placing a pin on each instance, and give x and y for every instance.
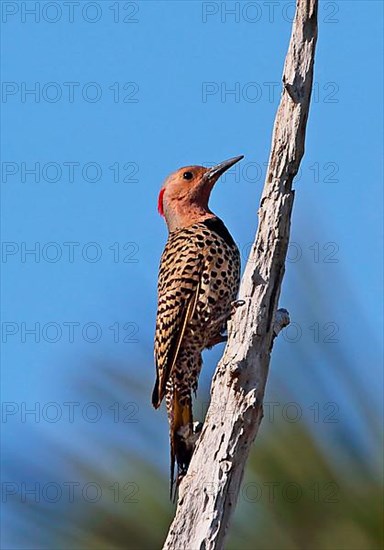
(199, 277)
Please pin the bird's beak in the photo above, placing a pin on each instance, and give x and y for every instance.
(216, 171)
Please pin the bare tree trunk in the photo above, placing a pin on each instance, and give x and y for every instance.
(208, 494)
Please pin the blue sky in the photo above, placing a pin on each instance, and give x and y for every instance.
(187, 83)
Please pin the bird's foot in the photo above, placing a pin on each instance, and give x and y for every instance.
(189, 439)
(223, 319)
(219, 339)
(236, 304)
(196, 427)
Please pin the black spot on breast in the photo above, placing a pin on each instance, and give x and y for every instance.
(216, 225)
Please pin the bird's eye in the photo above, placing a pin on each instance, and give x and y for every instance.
(187, 175)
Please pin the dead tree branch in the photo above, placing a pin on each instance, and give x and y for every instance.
(209, 492)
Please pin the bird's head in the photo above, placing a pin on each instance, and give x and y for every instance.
(184, 196)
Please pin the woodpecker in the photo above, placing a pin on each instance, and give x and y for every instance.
(199, 277)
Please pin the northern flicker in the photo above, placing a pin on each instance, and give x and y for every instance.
(199, 278)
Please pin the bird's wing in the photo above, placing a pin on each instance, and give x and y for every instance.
(179, 284)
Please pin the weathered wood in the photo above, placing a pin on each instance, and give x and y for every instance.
(208, 494)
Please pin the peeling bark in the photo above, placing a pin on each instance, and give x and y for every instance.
(209, 492)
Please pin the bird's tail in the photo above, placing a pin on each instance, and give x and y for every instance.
(181, 437)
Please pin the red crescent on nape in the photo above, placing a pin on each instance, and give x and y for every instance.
(160, 203)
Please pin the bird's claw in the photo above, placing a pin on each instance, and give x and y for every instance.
(219, 339)
(236, 304)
